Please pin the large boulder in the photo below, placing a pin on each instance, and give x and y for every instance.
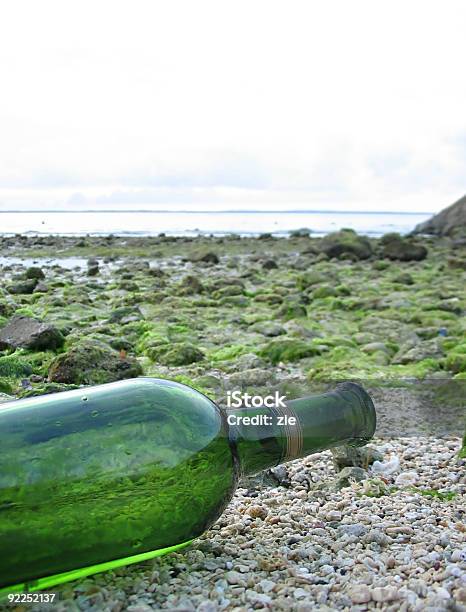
(346, 243)
(29, 333)
(90, 362)
(397, 248)
(449, 222)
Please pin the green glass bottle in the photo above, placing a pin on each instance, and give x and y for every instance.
(99, 477)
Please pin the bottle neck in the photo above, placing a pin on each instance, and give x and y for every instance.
(265, 437)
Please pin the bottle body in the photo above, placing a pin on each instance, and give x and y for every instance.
(107, 473)
(104, 476)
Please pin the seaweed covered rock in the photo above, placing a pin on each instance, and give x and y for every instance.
(177, 354)
(346, 243)
(35, 272)
(397, 248)
(91, 362)
(288, 349)
(29, 333)
(23, 287)
(204, 256)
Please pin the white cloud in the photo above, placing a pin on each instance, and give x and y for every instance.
(356, 103)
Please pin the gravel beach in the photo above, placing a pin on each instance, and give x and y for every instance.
(381, 530)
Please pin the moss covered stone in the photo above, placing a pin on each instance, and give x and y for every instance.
(288, 350)
(91, 362)
(177, 354)
(346, 242)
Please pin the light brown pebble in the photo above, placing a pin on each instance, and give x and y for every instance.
(394, 531)
(360, 593)
(257, 512)
(460, 594)
(383, 594)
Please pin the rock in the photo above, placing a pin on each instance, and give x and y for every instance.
(356, 530)
(302, 232)
(449, 222)
(29, 333)
(404, 279)
(348, 475)
(269, 264)
(406, 479)
(324, 291)
(384, 594)
(257, 512)
(287, 350)
(386, 467)
(93, 270)
(23, 287)
(374, 347)
(268, 329)
(205, 256)
(35, 272)
(126, 314)
(346, 242)
(351, 456)
(233, 577)
(360, 594)
(397, 248)
(423, 350)
(191, 285)
(254, 377)
(177, 354)
(41, 287)
(91, 362)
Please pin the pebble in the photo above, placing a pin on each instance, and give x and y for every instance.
(406, 479)
(360, 594)
(327, 549)
(384, 594)
(387, 467)
(257, 512)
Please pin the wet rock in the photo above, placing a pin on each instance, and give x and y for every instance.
(397, 248)
(29, 333)
(346, 242)
(91, 362)
(35, 272)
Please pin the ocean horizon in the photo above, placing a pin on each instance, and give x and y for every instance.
(188, 222)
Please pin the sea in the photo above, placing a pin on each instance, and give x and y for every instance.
(245, 222)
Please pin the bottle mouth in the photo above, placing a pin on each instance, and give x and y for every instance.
(368, 414)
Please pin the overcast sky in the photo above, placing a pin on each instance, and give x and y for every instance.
(322, 104)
